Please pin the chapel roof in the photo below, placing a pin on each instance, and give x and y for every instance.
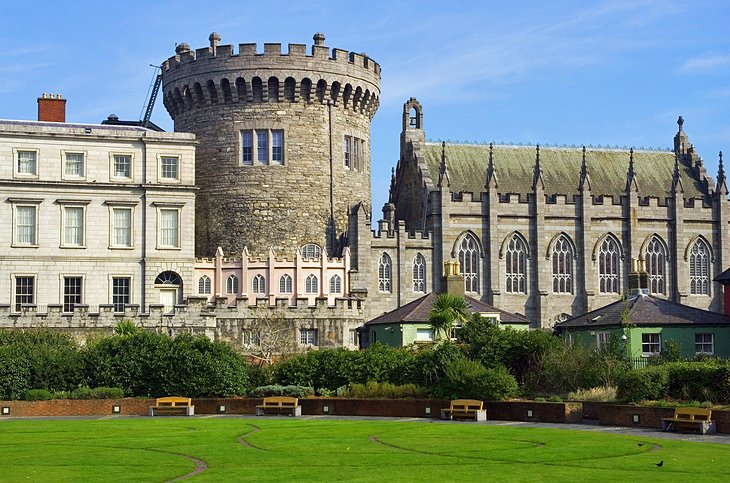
(644, 311)
(420, 309)
(561, 169)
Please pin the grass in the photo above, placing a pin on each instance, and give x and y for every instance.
(302, 449)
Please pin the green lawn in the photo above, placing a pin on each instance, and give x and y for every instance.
(261, 449)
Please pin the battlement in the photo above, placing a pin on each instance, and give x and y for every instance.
(217, 75)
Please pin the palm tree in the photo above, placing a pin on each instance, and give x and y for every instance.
(447, 310)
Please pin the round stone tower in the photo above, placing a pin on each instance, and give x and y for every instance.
(284, 141)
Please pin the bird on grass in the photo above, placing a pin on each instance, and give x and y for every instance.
(660, 464)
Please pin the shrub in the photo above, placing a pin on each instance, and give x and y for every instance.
(704, 381)
(555, 399)
(649, 383)
(469, 379)
(276, 390)
(82, 392)
(37, 395)
(107, 393)
(384, 390)
(14, 373)
(599, 394)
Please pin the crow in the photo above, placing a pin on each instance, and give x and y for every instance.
(660, 464)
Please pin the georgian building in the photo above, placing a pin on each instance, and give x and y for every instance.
(94, 215)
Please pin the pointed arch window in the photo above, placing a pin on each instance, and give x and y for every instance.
(311, 284)
(336, 284)
(608, 266)
(259, 284)
(656, 265)
(204, 285)
(384, 273)
(232, 285)
(285, 284)
(469, 261)
(515, 265)
(563, 266)
(419, 274)
(699, 269)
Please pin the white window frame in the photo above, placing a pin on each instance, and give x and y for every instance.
(335, 284)
(67, 205)
(470, 252)
(113, 167)
(169, 207)
(515, 265)
(163, 177)
(651, 343)
(204, 285)
(609, 266)
(562, 266)
(308, 336)
(265, 156)
(112, 278)
(704, 342)
(424, 335)
(14, 305)
(656, 265)
(232, 285)
(286, 284)
(25, 203)
(258, 284)
(385, 273)
(699, 269)
(64, 158)
(81, 295)
(311, 251)
(16, 162)
(602, 339)
(419, 273)
(311, 284)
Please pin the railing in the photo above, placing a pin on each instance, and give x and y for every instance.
(642, 362)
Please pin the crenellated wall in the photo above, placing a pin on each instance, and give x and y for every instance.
(317, 101)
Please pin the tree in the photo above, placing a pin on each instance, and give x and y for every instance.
(447, 310)
(267, 336)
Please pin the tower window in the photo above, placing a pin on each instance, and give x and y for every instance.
(266, 146)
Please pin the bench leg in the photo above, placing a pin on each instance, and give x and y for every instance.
(297, 411)
(481, 415)
(190, 410)
(259, 412)
(446, 414)
(667, 426)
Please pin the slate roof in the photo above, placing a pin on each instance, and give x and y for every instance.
(723, 278)
(418, 312)
(561, 167)
(645, 311)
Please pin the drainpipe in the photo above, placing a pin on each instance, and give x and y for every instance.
(332, 186)
(143, 260)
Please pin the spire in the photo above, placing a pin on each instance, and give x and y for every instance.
(677, 186)
(443, 171)
(585, 180)
(631, 175)
(537, 179)
(391, 192)
(721, 186)
(680, 123)
(681, 141)
(492, 181)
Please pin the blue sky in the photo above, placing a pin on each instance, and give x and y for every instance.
(566, 72)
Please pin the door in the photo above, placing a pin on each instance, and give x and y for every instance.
(168, 298)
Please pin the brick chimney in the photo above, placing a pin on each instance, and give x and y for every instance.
(452, 282)
(51, 108)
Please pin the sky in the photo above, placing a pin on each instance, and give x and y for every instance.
(614, 72)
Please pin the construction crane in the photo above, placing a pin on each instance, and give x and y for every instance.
(151, 97)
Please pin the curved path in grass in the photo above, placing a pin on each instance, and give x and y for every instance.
(200, 466)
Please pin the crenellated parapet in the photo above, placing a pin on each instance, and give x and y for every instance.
(216, 74)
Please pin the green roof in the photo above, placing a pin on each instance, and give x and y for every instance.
(561, 167)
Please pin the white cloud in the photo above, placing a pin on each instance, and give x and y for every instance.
(707, 62)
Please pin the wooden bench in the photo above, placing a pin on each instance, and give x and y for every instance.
(172, 405)
(465, 409)
(690, 418)
(279, 405)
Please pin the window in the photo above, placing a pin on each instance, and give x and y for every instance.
(656, 257)
(602, 339)
(251, 337)
(285, 284)
(335, 284)
(515, 265)
(348, 151)
(71, 293)
(384, 273)
(169, 168)
(650, 344)
(699, 269)
(74, 165)
(121, 227)
(424, 335)
(26, 225)
(247, 147)
(356, 154)
(469, 261)
(311, 251)
(204, 285)
(704, 344)
(266, 146)
(232, 285)
(122, 166)
(24, 292)
(73, 226)
(353, 338)
(308, 336)
(608, 266)
(311, 284)
(259, 284)
(419, 274)
(121, 293)
(169, 228)
(27, 163)
(563, 266)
